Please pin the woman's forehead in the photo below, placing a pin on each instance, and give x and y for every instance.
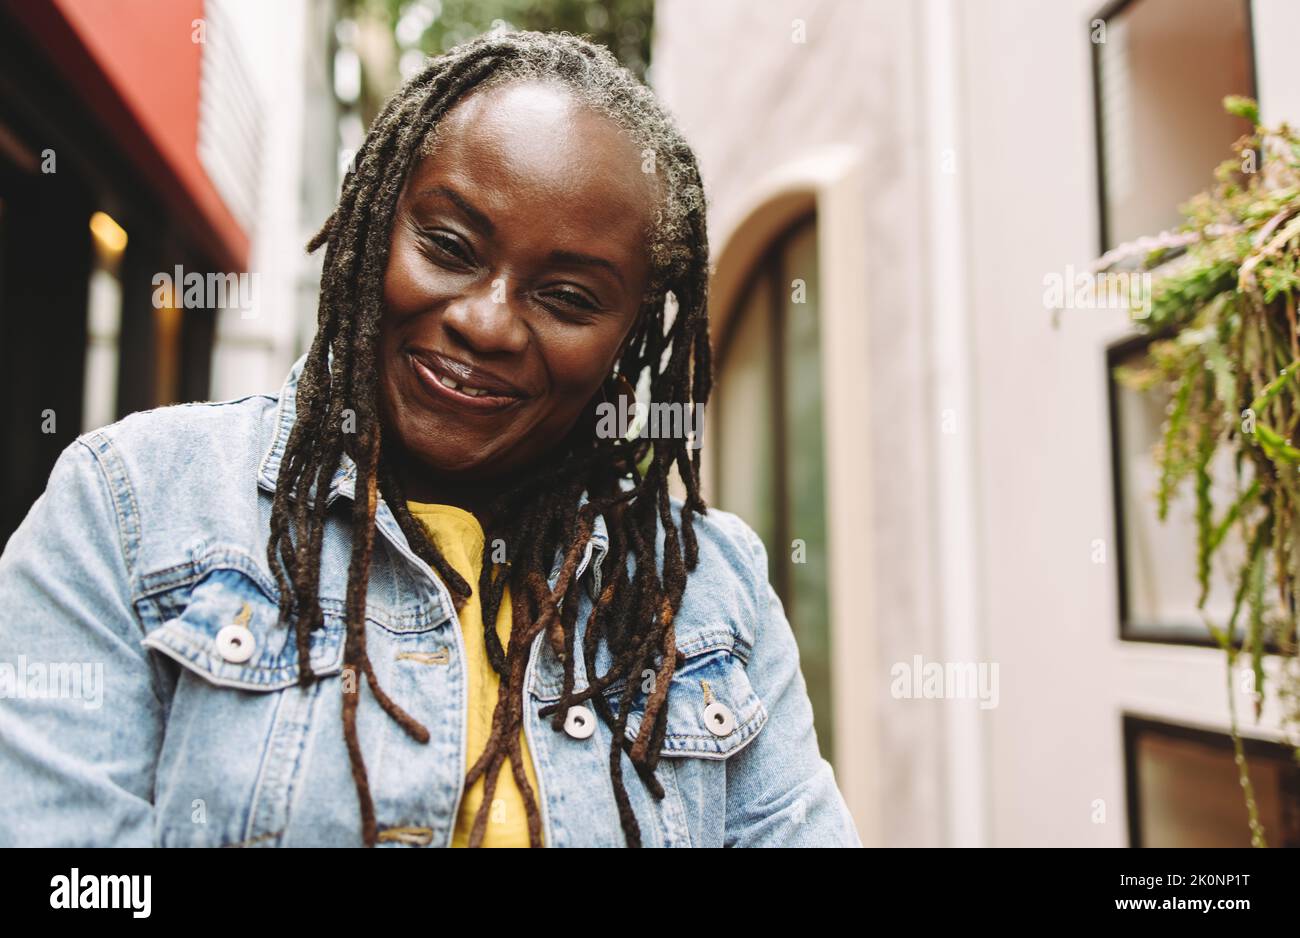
(528, 145)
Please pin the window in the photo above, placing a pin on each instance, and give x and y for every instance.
(103, 324)
(1161, 69)
(1156, 560)
(1184, 789)
(769, 443)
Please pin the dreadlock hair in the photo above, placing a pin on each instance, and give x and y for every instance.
(539, 519)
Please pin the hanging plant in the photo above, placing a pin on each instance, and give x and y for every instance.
(1221, 313)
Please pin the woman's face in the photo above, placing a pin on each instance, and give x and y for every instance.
(516, 271)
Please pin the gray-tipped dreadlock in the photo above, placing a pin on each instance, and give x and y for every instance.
(634, 612)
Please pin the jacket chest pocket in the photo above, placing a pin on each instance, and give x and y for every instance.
(712, 713)
(239, 724)
(713, 710)
(229, 634)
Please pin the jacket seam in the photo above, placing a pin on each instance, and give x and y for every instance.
(762, 594)
(128, 529)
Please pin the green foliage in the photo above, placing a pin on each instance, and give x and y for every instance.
(1225, 350)
(623, 26)
(1242, 107)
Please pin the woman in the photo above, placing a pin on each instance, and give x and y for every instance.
(420, 597)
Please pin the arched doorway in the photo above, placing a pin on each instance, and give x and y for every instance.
(769, 443)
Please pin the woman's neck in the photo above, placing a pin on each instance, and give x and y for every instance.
(473, 491)
(475, 495)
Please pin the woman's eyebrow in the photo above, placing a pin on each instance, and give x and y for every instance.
(476, 217)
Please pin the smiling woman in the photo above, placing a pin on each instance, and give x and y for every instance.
(503, 609)
(519, 241)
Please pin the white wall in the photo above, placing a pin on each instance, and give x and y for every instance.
(1043, 439)
(253, 350)
(775, 111)
(979, 542)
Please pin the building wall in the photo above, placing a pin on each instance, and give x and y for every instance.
(757, 105)
(1045, 490)
(285, 46)
(1041, 423)
(985, 437)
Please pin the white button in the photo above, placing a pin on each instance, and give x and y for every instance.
(719, 719)
(235, 643)
(579, 722)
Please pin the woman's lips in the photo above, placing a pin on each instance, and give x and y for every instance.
(445, 388)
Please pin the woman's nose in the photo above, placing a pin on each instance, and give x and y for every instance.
(486, 321)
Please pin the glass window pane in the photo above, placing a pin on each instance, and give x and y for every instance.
(1163, 70)
(1188, 793)
(1159, 582)
(771, 451)
(745, 443)
(805, 546)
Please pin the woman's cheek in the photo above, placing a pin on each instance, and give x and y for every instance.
(582, 354)
(410, 283)
(578, 367)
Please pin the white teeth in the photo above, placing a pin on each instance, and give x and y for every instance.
(452, 384)
(471, 392)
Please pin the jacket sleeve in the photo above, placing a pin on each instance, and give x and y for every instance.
(80, 716)
(780, 791)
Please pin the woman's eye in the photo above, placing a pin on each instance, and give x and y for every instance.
(447, 247)
(571, 304)
(573, 298)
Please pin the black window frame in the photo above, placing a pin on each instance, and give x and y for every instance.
(1135, 725)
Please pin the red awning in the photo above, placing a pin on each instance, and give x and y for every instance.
(136, 64)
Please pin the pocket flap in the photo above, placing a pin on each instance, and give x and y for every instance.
(230, 600)
(713, 710)
(711, 672)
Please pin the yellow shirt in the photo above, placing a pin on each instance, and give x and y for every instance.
(460, 538)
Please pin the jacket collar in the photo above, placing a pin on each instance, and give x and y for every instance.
(345, 476)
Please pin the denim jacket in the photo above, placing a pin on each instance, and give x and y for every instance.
(149, 694)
